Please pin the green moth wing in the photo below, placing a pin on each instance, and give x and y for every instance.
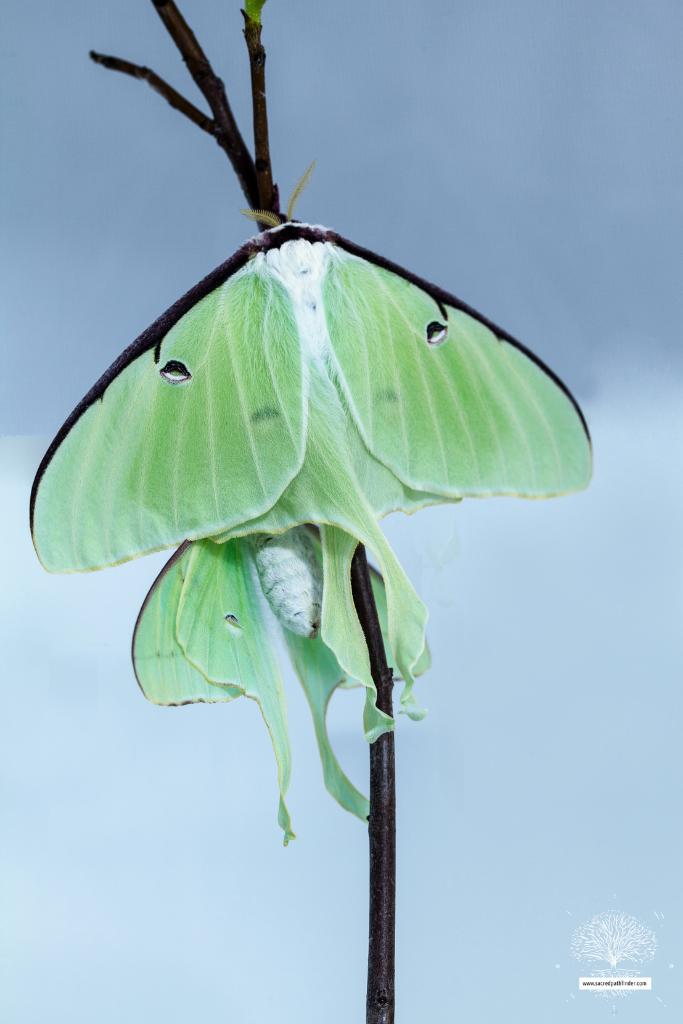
(164, 674)
(424, 662)
(172, 674)
(206, 611)
(445, 402)
(320, 674)
(201, 423)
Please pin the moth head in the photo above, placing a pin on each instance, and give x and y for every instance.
(175, 372)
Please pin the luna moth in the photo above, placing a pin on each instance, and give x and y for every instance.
(306, 380)
(188, 649)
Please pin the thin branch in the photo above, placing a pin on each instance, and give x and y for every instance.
(227, 133)
(174, 98)
(257, 62)
(382, 820)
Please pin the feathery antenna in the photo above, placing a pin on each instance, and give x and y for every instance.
(300, 187)
(264, 217)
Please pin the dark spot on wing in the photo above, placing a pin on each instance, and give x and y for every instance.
(436, 332)
(388, 395)
(264, 414)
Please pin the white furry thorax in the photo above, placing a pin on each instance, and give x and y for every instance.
(300, 267)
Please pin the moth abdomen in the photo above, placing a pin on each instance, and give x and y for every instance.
(291, 578)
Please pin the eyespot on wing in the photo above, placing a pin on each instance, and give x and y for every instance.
(175, 372)
(436, 332)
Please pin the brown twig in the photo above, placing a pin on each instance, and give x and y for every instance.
(226, 131)
(172, 97)
(382, 820)
(257, 62)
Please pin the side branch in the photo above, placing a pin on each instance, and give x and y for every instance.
(257, 63)
(172, 97)
(226, 131)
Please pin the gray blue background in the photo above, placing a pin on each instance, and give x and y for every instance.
(529, 157)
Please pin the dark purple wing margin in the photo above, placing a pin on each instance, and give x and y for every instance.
(271, 239)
